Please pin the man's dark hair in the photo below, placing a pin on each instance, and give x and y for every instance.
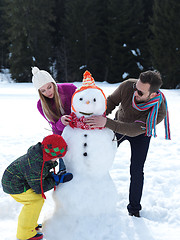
(153, 78)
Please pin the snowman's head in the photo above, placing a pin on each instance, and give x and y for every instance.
(89, 100)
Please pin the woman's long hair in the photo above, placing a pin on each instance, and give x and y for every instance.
(52, 114)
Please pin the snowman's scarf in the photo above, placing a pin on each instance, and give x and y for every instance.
(154, 104)
(80, 122)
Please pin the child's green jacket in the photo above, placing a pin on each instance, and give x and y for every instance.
(25, 173)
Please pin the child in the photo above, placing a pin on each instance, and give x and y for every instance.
(27, 178)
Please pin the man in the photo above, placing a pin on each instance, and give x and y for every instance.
(141, 107)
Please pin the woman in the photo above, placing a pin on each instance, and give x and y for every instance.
(55, 101)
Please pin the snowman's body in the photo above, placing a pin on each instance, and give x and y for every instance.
(90, 152)
(90, 155)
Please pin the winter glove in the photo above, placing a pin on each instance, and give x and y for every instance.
(56, 178)
(62, 177)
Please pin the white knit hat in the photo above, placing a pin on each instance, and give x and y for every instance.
(41, 77)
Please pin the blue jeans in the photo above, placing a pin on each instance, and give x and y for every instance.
(62, 166)
(139, 149)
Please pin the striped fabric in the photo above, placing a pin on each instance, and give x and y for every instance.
(154, 104)
(88, 80)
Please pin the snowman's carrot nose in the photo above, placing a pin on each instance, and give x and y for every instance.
(87, 102)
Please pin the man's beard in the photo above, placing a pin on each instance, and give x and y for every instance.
(142, 101)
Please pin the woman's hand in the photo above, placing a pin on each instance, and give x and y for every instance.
(96, 121)
(65, 119)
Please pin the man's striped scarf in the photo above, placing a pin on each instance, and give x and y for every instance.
(154, 104)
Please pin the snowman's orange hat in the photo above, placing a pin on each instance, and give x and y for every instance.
(88, 82)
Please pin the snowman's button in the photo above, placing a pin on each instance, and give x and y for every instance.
(85, 135)
(85, 144)
(85, 154)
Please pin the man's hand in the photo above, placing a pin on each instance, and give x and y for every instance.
(96, 121)
(65, 119)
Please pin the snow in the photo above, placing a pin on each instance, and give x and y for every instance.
(22, 126)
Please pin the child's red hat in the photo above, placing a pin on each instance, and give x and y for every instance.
(53, 146)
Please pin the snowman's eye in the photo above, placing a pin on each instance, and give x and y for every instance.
(94, 100)
(81, 99)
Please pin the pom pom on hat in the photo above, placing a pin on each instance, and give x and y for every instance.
(35, 70)
(41, 77)
(53, 146)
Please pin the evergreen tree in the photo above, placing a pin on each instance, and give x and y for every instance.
(165, 43)
(146, 60)
(29, 36)
(3, 44)
(85, 39)
(98, 60)
(127, 37)
(95, 39)
(58, 43)
(107, 37)
(76, 38)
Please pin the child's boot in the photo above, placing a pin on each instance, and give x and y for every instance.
(37, 236)
(39, 227)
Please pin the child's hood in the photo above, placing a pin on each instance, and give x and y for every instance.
(35, 155)
(35, 152)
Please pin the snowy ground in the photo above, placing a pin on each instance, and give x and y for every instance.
(22, 126)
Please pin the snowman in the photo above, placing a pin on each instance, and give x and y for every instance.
(91, 195)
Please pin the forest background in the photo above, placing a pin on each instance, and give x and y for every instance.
(113, 39)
